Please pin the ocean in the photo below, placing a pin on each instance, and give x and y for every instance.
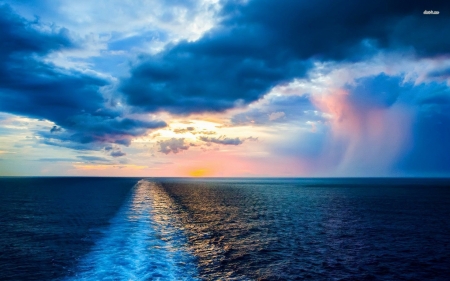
(224, 229)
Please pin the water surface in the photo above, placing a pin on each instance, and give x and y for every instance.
(224, 229)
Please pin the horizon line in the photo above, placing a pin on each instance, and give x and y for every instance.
(241, 177)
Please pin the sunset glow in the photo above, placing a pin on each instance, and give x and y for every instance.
(200, 173)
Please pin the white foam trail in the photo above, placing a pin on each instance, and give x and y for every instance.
(141, 243)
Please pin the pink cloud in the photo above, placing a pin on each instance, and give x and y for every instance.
(363, 140)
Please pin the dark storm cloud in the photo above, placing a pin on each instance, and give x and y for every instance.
(185, 79)
(89, 132)
(33, 88)
(71, 99)
(86, 137)
(264, 43)
(109, 129)
(22, 37)
(339, 29)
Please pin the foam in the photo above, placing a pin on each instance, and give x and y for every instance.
(142, 243)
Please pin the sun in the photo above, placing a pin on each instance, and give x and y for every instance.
(200, 173)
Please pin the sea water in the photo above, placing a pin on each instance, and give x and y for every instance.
(224, 229)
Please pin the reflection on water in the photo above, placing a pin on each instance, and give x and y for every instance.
(316, 229)
(141, 243)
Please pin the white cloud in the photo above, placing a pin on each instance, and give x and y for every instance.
(96, 24)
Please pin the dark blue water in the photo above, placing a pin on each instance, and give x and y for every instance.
(224, 229)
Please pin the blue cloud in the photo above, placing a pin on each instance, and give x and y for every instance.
(428, 151)
(378, 91)
(440, 73)
(186, 79)
(261, 44)
(117, 153)
(383, 91)
(344, 29)
(71, 99)
(289, 109)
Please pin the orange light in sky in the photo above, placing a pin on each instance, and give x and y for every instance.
(200, 173)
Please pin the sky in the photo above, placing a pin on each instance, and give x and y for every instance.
(211, 88)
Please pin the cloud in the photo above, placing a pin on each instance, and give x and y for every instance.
(222, 70)
(222, 140)
(261, 44)
(33, 88)
(111, 129)
(73, 100)
(172, 145)
(440, 74)
(186, 81)
(85, 132)
(344, 29)
(92, 159)
(276, 115)
(205, 132)
(179, 19)
(193, 131)
(114, 151)
(275, 109)
(128, 167)
(22, 36)
(184, 130)
(428, 152)
(117, 153)
(55, 129)
(381, 123)
(368, 122)
(55, 159)
(84, 158)
(110, 33)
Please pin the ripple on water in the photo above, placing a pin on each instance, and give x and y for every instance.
(315, 229)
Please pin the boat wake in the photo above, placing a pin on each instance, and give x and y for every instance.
(142, 242)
